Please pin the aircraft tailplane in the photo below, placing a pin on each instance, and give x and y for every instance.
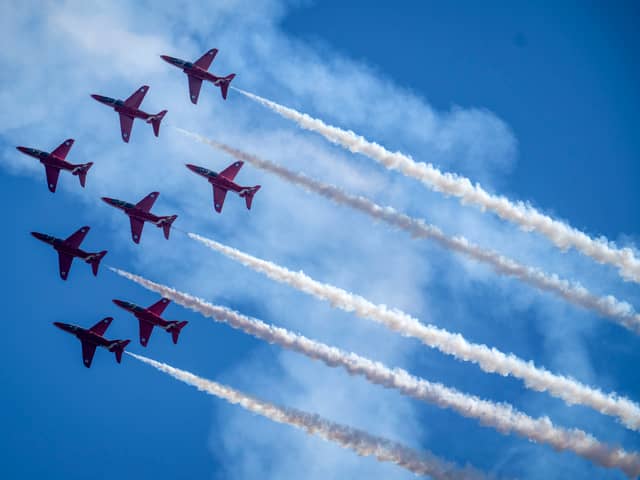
(95, 261)
(118, 347)
(166, 224)
(248, 195)
(155, 121)
(175, 330)
(224, 85)
(81, 172)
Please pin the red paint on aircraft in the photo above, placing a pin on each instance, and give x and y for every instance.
(55, 161)
(140, 213)
(223, 182)
(128, 110)
(197, 72)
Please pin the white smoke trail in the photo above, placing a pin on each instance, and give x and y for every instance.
(490, 360)
(503, 417)
(609, 306)
(363, 443)
(562, 235)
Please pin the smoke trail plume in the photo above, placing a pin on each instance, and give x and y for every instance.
(527, 217)
(490, 360)
(502, 417)
(363, 443)
(620, 312)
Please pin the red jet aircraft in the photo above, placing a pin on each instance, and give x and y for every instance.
(93, 337)
(150, 317)
(129, 110)
(223, 182)
(69, 248)
(139, 213)
(55, 161)
(197, 72)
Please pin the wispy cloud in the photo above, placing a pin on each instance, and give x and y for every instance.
(503, 417)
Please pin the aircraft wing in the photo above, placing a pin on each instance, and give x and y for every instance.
(159, 306)
(218, 198)
(88, 350)
(63, 149)
(136, 229)
(136, 97)
(126, 123)
(52, 177)
(205, 60)
(231, 171)
(147, 202)
(145, 332)
(76, 238)
(64, 261)
(101, 327)
(194, 88)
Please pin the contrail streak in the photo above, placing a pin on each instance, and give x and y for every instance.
(488, 359)
(609, 306)
(363, 443)
(527, 217)
(503, 417)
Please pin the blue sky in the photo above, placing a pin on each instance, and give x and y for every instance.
(535, 103)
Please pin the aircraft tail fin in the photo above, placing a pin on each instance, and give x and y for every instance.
(95, 261)
(118, 347)
(81, 172)
(155, 121)
(166, 223)
(248, 195)
(224, 85)
(175, 330)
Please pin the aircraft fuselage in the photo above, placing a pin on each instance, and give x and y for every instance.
(59, 245)
(193, 70)
(85, 335)
(134, 212)
(48, 159)
(144, 314)
(120, 107)
(218, 181)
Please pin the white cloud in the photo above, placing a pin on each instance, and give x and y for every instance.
(69, 50)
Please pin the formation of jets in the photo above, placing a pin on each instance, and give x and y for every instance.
(139, 213)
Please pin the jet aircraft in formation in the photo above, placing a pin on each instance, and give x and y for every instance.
(55, 161)
(94, 337)
(139, 214)
(151, 317)
(69, 248)
(197, 72)
(129, 110)
(223, 182)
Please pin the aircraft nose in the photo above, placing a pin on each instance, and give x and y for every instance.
(22, 149)
(107, 200)
(119, 303)
(59, 325)
(193, 168)
(38, 235)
